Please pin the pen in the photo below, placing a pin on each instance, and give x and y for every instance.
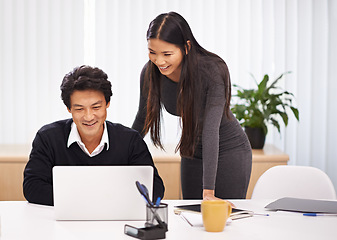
(144, 192)
(158, 202)
(319, 214)
(261, 214)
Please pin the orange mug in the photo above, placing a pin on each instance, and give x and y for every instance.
(215, 214)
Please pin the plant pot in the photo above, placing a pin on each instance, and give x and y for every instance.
(256, 137)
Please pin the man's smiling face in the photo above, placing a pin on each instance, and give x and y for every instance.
(89, 111)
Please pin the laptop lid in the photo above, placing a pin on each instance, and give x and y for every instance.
(100, 192)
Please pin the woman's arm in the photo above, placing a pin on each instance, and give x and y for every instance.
(138, 123)
(214, 110)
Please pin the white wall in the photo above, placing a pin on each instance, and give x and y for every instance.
(40, 41)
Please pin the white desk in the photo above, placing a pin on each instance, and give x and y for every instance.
(21, 221)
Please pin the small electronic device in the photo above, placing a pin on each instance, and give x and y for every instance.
(154, 232)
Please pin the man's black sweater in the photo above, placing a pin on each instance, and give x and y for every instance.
(126, 147)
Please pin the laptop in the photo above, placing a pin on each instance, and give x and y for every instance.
(100, 192)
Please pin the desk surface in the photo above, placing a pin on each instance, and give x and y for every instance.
(21, 220)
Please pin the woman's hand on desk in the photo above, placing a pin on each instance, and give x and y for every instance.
(208, 194)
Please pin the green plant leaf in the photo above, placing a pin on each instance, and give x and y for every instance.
(284, 117)
(276, 124)
(257, 107)
(277, 79)
(263, 84)
(296, 113)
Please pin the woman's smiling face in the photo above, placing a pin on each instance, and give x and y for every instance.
(167, 57)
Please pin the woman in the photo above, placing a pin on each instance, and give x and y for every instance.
(194, 84)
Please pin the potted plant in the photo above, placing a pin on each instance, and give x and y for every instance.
(258, 107)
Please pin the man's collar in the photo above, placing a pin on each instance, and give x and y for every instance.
(74, 136)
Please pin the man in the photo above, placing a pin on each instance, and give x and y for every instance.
(86, 139)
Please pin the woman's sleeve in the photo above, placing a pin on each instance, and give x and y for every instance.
(140, 155)
(138, 123)
(214, 109)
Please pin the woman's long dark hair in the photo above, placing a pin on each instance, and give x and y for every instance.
(173, 28)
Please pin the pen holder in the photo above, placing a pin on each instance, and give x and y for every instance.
(157, 216)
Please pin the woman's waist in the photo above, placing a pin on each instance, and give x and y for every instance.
(227, 144)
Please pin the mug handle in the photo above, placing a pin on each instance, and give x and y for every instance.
(229, 211)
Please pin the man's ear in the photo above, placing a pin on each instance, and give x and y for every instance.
(188, 46)
(69, 110)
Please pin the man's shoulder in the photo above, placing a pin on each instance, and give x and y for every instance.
(121, 131)
(56, 126)
(119, 127)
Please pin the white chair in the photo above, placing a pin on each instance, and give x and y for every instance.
(294, 181)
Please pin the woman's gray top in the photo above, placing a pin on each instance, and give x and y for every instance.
(217, 128)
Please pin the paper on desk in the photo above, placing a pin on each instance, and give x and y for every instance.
(195, 219)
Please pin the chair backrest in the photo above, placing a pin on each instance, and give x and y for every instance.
(294, 181)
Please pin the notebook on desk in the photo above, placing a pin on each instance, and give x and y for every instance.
(303, 205)
(100, 192)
